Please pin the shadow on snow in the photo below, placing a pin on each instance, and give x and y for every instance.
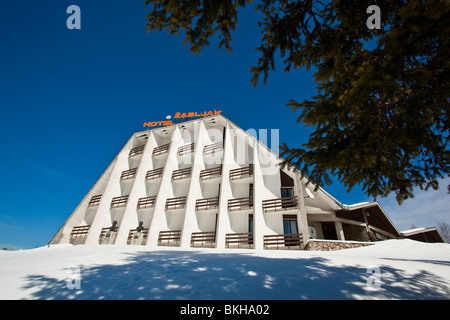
(196, 275)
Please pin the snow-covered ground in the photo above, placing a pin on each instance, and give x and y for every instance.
(393, 269)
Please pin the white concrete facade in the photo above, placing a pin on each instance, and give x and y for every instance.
(204, 182)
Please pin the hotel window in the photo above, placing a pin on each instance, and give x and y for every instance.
(287, 185)
(290, 224)
(287, 192)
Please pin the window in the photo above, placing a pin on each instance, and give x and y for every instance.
(290, 224)
(250, 223)
(287, 192)
(290, 227)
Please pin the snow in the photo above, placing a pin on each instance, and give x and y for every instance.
(392, 269)
(411, 230)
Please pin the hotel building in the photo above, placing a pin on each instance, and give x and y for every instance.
(208, 183)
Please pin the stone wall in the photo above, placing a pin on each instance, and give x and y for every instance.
(331, 245)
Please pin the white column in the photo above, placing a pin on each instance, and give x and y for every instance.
(223, 221)
(339, 230)
(302, 218)
(159, 221)
(129, 218)
(259, 225)
(190, 220)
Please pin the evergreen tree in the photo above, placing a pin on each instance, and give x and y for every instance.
(380, 116)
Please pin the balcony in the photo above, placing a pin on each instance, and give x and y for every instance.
(95, 201)
(107, 236)
(164, 149)
(207, 204)
(241, 173)
(181, 174)
(240, 204)
(283, 241)
(118, 202)
(203, 239)
(280, 204)
(209, 174)
(147, 202)
(78, 232)
(128, 174)
(169, 238)
(137, 238)
(175, 203)
(154, 174)
(239, 240)
(136, 151)
(212, 149)
(189, 148)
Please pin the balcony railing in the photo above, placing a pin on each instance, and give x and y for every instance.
(133, 234)
(181, 174)
(240, 203)
(213, 148)
(171, 238)
(239, 240)
(240, 173)
(136, 151)
(175, 203)
(79, 231)
(203, 239)
(207, 203)
(285, 241)
(147, 202)
(211, 173)
(103, 234)
(95, 200)
(161, 150)
(128, 174)
(117, 202)
(280, 204)
(186, 149)
(154, 174)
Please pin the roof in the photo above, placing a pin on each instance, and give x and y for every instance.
(375, 216)
(423, 234)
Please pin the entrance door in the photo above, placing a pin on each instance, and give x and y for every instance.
(329, 231)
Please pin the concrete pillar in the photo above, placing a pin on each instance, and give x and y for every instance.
(302, 217)
(258, 218)
(339, 230)
(159, 221)
(223, 223)
(190, 219)
(129, 218)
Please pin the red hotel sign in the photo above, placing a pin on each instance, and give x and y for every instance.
(181, 115)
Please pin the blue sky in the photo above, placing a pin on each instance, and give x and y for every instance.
(70, 99)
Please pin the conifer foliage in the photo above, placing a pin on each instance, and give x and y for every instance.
(381, 112)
